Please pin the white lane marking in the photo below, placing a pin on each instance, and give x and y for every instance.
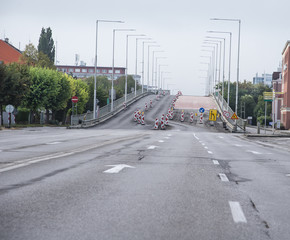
(221, 137)
(161, 141)
(210, 152)
(288, 175)
(117, 168)
(254, 152)
(237, 212)
(238, 145)
(152, 147)
(195, 136)
(203, 144)
(215, 162)
(53, 143)
(223, 177)
(167, 137)
(206, 147)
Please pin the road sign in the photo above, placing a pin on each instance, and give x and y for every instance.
(212, 115)
(234, 117)
(226, 114)
(201, 110)
(9, 108)
(74, 99)
(268, 96)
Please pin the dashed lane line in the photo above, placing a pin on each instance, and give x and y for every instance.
(223, 177)
(161, 141)
(53, 143)
(195, 136)
(206, 147)
(254, 152)
(237, 212)
(210, 152)
(151, 147)
(215, 162)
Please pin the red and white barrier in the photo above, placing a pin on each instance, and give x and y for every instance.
(156, 124)
(162, 122)
(182, 116)
(124, 105)
(166, 120)
(143, 119)
(139, 116)
(135, 116)
(191, 117)
(201, 118)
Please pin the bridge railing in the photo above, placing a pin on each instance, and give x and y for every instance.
(223, 105)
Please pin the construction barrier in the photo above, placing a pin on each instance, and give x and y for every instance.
(166, 120)
(201, 118)
(182, 116)
(156, 124)
(135, 116)
(191, 117)
(143, 119)
(162, 122)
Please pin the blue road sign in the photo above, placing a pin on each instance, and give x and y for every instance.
(201, 110)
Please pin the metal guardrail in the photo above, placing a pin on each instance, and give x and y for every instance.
(87, 120)
(223, 106)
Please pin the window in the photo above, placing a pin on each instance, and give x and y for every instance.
(91, 70)
(110, 71)
(70, 69)
(117, 71)
(84, 70)
(104, 71)
(98, 70)
(77, 70)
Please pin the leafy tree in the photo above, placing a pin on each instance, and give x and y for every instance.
(46, 44)
(14, 84)
(32, 57)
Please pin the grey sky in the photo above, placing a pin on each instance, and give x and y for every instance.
(178, 26)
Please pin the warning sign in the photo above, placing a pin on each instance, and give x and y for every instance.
(234, 117)
(212, 114)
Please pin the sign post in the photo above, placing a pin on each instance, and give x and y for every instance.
(9, 109)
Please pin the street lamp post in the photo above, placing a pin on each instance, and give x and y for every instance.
(126, 75)
(207, 91)
(149, 46)
(143, 62)
(153, 66)
(216, 63)
(136, 63)
(230, 54)
(212, 70)
(96, 60)
(161, 65)
(156, 73)
(238, 61)
(113, 63)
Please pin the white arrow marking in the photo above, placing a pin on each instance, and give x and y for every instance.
(237, 212)
(117, 168)
(223, 177)
(152, 147)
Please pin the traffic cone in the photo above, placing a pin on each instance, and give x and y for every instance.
(156, 124)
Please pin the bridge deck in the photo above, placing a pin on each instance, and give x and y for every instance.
(195, 102)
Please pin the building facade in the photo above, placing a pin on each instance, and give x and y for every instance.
(8, 53)
(285, 108)
(265, 79)
(89, 71)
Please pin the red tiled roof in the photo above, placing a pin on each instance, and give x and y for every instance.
(8, 53)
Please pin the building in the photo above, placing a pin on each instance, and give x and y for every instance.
(277, 87)
(285, 108)
(89, 71)
(8, 53)
(265, 79)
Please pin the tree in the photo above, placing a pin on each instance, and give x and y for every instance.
(46, 44)
(32, 57)
(14, 84)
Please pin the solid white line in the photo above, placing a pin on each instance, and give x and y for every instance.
(195, 136)
(238, 145)
(223, 177)
(215, 162)
(161, 141)
(209, 152)
(152, 147)
(237, 212)
(254, 152)
(53, 143)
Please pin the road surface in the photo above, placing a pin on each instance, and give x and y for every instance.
(122, 180)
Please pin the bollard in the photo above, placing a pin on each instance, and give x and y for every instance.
(191, 117)
(201, 118)
(143, 119)
(258, 128)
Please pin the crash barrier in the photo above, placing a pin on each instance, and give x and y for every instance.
(104, 113)
(201, 118)
(162, 125)
(223, 106)
(191, 117)
(156, 124)
(143, 119)
(182, 116)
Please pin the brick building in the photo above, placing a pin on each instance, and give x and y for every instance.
(277, 87)
(89, 71)
(285, 108)
(8, 53)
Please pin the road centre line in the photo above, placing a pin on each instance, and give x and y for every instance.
(215, 162)
(205, 147)
(221, 137)
(237, 212)
(161, 141)
(238, 145)
(152, 147)
(195, 136)
(223, 177)
(254, 152)
(210, 152)
(53, 143)
(203, 144)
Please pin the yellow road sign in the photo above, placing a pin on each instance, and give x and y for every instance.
(212, 115)
(234, 117)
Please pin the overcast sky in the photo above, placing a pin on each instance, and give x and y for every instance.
(179, 27)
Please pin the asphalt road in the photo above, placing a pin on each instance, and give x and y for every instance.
(122, 180)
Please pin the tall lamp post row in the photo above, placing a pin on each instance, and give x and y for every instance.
(126, 69)
(215, 42)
